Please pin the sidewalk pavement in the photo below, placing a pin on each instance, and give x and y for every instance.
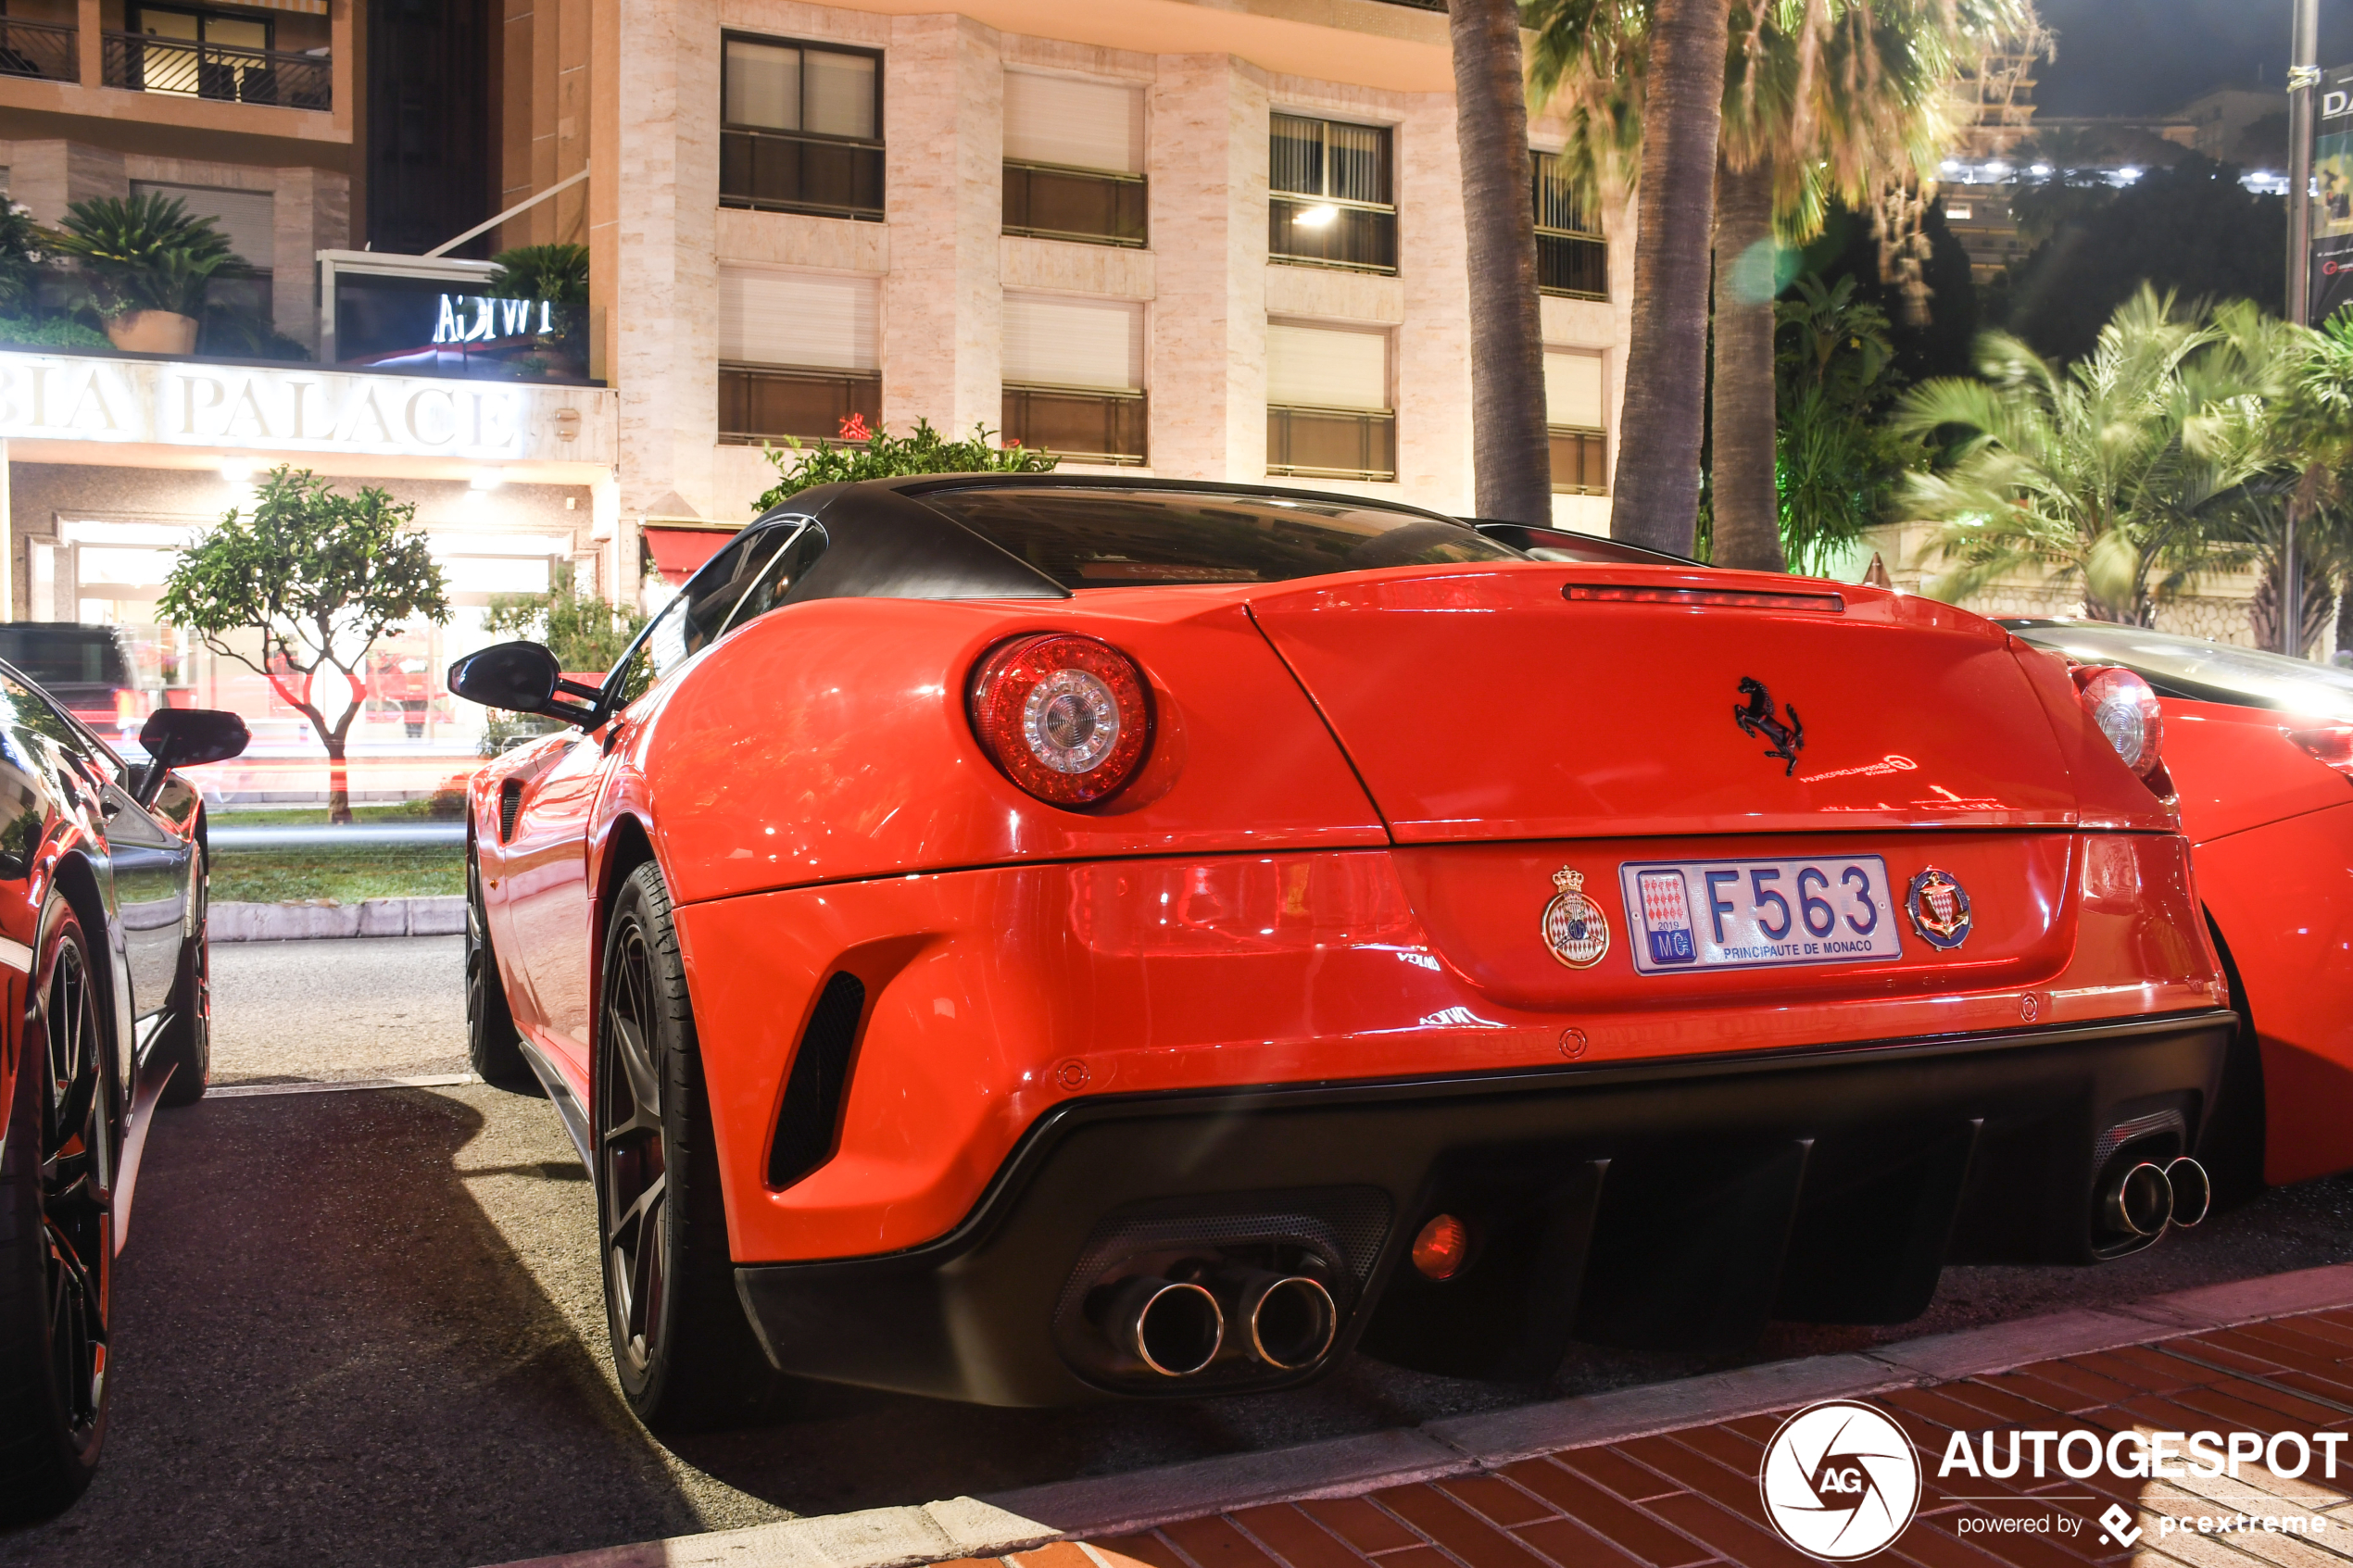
(1666, 1475)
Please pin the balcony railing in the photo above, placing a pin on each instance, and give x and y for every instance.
(789, 171)
(1331, 443)
(1331, 234)
(1080, 424)
(1046, 202)
(1580, 461)
(147, 64)
(41, 49)
(1576, 265)
(758, 402)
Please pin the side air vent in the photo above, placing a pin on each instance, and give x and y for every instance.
(509, 807)
(811, 1113)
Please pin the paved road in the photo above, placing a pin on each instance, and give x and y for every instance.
(363, 1327)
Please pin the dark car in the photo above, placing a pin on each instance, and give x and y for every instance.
(103, 960)
(87, 671)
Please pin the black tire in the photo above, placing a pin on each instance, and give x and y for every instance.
(57, 1232)
(493, 1047)
(184, 1043)
(682, 1348)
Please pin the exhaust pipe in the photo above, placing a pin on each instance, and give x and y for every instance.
(2193, 1191)
(1173, 1328)
(2139, 1202)
(1291, 1319)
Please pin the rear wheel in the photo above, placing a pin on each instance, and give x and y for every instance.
(493, 1046)
(681, 1343)
(57, 1232)
(184, 1044)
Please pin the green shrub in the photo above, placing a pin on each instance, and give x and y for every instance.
(865, 454)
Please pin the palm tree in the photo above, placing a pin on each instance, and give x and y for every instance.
(1510, 450)
(2117, 472)
(2306, 378)
(1819, 98)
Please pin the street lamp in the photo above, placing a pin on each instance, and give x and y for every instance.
(2303, 75)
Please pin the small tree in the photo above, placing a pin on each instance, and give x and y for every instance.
(321, 576)
(582, 631)
(870, 453)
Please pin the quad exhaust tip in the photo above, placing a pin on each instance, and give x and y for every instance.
(1174, 1329)
(2139, 1202)
(1292, 1319)
(2193, 1191)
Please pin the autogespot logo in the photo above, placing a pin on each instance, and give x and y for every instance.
(1840, 1481)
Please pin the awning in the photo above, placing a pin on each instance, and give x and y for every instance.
(679, 552)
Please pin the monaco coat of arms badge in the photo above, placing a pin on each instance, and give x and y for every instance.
(1575, 929)
(1939, 908)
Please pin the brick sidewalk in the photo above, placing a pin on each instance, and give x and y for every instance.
(1690, 1497)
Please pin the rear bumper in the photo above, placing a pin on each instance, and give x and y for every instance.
(1658, 1203)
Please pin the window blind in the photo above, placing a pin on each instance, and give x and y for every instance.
(1325, 367)
(762, 85)
(1573, 389)
(803, 319)
(1089, 343)
(246, 216)
(1078, 124)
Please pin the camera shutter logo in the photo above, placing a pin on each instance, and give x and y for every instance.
(1840, 1481)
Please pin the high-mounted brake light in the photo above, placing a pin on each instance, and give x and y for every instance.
(2125, 708)
(2332, 745)
(1066, 717)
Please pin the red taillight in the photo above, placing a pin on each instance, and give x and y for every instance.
(2125, 708)
(1064, 716)
(1442, 1248)
(2332, 745)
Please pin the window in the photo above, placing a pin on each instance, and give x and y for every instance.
(1328, 409)
(249, 219)
(797, 355)
(1074, 377)
(1149, 538)
(1073, 159)
(1571, 257)
(1573, 401)
(703, 608)
(802, 129)
(1332, 200)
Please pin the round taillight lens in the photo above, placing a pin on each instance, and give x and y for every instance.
(2125, 708)
(1064, 716)
(1442, 1248)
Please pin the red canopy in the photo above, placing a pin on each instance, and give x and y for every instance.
(679, 552)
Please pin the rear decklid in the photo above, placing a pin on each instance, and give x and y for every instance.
(1561, 701)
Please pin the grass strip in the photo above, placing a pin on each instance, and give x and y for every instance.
(342, 876)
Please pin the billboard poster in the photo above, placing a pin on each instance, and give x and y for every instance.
(2331, 285)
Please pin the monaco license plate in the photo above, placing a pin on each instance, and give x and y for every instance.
(1750, 914)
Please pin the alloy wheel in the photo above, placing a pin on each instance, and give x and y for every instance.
(632, 1151)
(77, 1189)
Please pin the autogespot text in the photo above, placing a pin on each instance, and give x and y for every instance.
(2080, 1454)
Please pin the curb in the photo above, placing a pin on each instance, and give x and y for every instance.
(442, 916)
(1113, 1505)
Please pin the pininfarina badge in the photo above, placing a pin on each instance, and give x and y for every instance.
(1575, 928)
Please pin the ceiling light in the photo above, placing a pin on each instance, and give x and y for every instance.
(236, 472)
(489, 479)
(1319, 217)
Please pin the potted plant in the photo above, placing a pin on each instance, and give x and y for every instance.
(558, 274)
(145, 263)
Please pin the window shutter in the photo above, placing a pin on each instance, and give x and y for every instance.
(763, 85)
(1326, 368)
(838, 94)
(246, 216)
(1573, 389)
(796, 318)
(1078, 124)
(1088, 343)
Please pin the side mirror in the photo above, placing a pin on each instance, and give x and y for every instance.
(523, 678)
(187, 737)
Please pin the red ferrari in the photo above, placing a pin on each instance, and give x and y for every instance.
(2261, 748)
(1028, 938)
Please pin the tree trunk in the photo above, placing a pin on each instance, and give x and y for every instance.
(338, 782)
(1658, 480)
(1511, 454)
(1747, 501)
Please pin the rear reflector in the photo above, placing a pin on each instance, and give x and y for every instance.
(2332, 745)
(1442, 1248)
(1703, 598)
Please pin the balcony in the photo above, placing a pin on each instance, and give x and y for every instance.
(758, 402)
(45, 50)
(1084, 424)
(1580, 461)
(1319, 232)
(798, 172)
(1573, 265)
(188, 70)
(1091, 206)
(1332, 442)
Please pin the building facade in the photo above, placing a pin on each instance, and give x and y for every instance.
(1172, 239)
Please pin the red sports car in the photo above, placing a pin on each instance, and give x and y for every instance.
(1024, 938)
(2260, 746)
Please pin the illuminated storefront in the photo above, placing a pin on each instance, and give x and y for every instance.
(112, 463)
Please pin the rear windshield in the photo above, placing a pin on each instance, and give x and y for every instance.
(1136, 538)
(65, 655)
(2199, 670)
